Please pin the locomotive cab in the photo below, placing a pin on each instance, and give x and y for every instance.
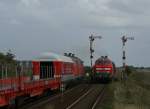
(103, 69)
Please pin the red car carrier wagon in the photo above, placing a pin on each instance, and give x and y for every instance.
(49, 72)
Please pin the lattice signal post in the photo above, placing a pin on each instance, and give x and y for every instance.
(124, 40)
(92, 38)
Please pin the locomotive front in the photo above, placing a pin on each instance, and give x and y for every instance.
(103, 69)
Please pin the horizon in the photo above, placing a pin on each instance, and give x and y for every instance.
(31, 27)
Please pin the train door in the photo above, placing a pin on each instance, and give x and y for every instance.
(46, 70)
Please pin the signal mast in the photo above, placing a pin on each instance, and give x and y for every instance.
(92, 38)
(124, 40)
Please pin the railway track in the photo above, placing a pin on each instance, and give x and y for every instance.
(90, 99)
(80, 97)
(60, 98)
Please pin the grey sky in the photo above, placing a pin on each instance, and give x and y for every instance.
(30, 27)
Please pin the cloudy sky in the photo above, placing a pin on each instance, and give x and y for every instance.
(30, 27)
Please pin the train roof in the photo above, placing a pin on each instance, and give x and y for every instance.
(49, 56)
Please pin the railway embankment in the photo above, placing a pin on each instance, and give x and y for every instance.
(134, 93)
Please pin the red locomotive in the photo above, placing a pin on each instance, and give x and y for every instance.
(49, 72)
(104, 69)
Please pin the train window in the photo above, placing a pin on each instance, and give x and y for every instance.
(46, 70)
(107, 62)
(99, 61)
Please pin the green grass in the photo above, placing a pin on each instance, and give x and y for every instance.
(135, 92)
(131, 94)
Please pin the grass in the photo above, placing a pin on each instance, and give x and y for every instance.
(131, 94)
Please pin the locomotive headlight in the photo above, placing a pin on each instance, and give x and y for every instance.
(87, 74)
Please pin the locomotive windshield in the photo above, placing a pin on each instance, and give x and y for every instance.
(103, 61)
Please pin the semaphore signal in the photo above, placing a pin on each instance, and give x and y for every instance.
(92, 38)
(124, 40)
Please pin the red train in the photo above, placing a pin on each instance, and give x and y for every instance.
(50, 71)
(104, 69)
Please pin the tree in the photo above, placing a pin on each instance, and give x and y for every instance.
(10, 56)
(7, 58)
(2, 56)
